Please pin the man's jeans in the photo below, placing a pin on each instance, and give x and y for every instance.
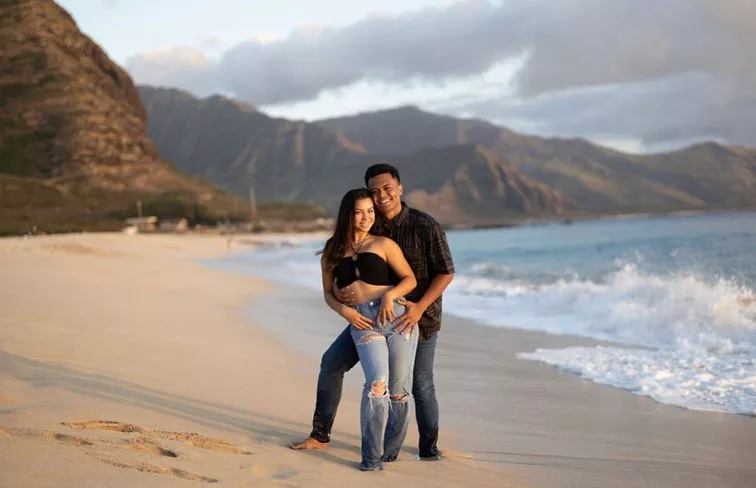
(387, 359)
(341, 356)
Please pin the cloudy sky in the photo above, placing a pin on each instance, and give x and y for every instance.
(639, 75)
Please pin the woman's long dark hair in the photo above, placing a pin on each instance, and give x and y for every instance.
(335, 246)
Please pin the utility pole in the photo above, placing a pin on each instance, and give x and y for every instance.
(139, 209)
(251, 169)
(252, 203)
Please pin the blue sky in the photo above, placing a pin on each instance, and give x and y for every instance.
(638, 75)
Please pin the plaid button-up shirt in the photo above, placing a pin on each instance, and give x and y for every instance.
(423, 242)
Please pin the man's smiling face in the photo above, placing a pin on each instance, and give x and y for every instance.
(387, 194)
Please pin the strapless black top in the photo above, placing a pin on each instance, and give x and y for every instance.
(368, 267)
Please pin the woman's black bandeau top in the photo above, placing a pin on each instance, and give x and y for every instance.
(368, 267)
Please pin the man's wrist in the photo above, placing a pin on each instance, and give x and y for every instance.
(422, 304)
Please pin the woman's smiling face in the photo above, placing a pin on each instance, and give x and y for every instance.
(364, 215)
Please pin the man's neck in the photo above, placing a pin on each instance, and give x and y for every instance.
(392, 215)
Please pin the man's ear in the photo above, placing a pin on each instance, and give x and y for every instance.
(400, 188)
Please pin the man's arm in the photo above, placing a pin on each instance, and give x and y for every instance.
(350, 314)
(411, 317)
(345, 295)
(440, 262)
(437, 286)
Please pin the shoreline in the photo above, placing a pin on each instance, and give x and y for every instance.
(567, 219)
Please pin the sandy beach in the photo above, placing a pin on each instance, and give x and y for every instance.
(126, 361)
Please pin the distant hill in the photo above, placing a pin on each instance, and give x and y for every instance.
(236, 146)
(233, 144)
(470, 184)
(407, 129)
(74, 150)
(598, 180)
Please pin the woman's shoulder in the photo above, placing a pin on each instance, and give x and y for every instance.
(384, 242)
(380, 240)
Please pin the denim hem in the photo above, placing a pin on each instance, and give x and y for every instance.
(376, 467)
(320, 438)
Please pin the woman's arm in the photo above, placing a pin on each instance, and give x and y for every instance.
(396, 260)
(350, 314)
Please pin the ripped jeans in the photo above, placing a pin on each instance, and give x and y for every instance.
(384, 354)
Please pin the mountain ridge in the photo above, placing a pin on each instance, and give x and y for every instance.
(598, 179)
(300, 161)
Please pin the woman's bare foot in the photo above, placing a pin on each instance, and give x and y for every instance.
(308, 444)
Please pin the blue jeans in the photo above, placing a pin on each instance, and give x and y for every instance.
(384, 355)
(341, 356)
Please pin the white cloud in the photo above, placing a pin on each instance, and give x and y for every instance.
(624, 69)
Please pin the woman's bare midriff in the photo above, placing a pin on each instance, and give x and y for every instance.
(365, 292)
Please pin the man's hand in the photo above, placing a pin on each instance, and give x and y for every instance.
(355, 318)
(345, 295)
(408, 322)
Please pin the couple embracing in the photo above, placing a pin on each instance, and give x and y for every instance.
(390, 264)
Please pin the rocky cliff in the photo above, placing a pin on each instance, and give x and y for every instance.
(74, 147)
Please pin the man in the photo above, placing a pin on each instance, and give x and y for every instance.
(424, 244)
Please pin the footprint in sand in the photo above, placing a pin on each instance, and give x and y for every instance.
(103, 425)
(67, 439)
(146, 443)
(53, 436)
(190, 439)
(149, 468)
(203, 442)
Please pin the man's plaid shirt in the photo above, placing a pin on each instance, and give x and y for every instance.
(423, 242)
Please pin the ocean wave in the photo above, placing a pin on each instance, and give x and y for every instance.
(722, 383)
(628, 306)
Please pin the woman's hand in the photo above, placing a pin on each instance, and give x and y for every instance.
(386, 314)
(355, 318)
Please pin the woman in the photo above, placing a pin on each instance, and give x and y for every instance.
(373, 263)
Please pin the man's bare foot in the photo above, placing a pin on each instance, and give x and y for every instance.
(308, 445)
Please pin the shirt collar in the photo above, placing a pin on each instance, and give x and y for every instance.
(400, 218)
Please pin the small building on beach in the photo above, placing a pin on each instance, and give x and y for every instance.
(142, 224)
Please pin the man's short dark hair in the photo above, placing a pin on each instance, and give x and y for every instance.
(379, 169)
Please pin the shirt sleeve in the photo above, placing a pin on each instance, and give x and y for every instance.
(440, 254)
